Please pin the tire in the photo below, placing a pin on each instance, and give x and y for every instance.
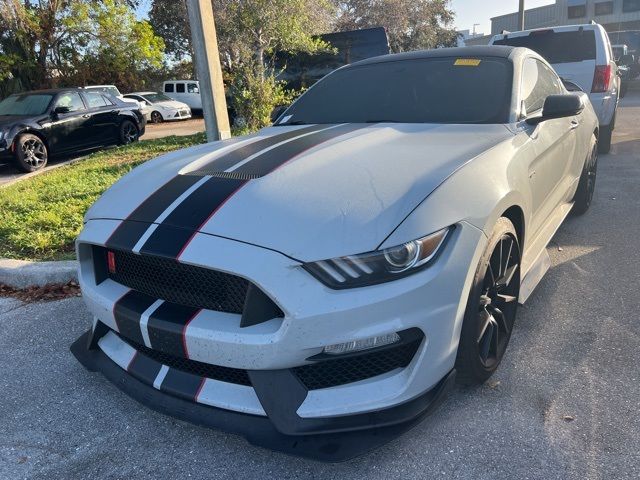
(31, 153)
(491, 307)
(156, 117)
(604, 139)
(129, 133)
(587, 184)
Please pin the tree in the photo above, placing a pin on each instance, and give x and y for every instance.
(170, 21)
(249, 33)
(410, 24)
(73, 42)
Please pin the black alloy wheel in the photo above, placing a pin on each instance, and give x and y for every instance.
(128, 132)
(30, 153)
(491, 308)
(156, 117)
(498, 302)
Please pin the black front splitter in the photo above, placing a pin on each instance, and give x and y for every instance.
(258, 430)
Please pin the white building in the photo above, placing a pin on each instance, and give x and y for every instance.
(614, 15)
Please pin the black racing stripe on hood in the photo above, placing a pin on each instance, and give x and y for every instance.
(269, 161)
(234, 157)
(129, 232)
(175, 231)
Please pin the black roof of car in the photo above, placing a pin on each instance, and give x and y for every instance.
(52, 91)
(463, 52)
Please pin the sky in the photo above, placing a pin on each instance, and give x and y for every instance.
(469, 12)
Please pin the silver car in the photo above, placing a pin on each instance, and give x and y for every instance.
(328, 277)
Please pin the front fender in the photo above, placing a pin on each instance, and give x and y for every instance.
(478, 194)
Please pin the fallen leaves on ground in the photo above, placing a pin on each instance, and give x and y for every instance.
(48, 293)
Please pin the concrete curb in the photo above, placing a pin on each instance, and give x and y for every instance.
(23, 274)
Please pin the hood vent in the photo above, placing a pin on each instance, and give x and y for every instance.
(231, 175)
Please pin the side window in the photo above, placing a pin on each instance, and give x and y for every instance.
(192, 88)
(70, 100)
(168, 87)
(538, 82)
(95, 100)
(179, 87)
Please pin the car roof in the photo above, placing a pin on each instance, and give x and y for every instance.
(51, 90)
(564, 28)
(140, 93)
(183, 80)
(463, 52)
(97, 86)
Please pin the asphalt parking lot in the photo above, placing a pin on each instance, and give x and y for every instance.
(563, 405)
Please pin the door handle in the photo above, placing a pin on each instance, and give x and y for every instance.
(574, 124)
(86, 115)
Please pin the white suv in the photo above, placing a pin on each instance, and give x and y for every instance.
(580, 54)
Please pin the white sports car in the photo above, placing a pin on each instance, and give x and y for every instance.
(159, 108)
(317, 286)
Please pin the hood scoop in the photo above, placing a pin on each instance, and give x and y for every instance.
(216, 174)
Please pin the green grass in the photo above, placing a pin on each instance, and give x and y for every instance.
(41, 217)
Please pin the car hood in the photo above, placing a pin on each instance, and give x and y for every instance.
(8, 120)
(171, 104)
(342, 196)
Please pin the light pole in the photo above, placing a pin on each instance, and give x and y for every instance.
(521, 16)
(207, 60)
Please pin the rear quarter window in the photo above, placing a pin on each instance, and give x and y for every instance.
(557, 47)
(168, 87)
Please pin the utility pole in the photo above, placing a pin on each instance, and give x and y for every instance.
(521, 16)
(207, 60)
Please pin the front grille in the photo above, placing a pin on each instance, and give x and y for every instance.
(200, 369)
(331, 373)
(175, 282)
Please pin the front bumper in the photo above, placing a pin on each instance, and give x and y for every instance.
(314, 316)
(332, 440)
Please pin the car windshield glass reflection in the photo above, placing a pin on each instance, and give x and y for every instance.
(156, 97)
(25, 104)
(441, 90)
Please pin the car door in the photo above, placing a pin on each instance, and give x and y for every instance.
(67, 129)
(102, 125)
(553, 142)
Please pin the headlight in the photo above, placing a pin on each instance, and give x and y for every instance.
(380, 266)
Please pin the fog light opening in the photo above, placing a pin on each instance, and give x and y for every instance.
(359, 345)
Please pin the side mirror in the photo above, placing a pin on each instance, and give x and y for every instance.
(61, 110)
(279, 110)
(559, 106)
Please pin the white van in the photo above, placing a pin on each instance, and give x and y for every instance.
(580, 54)
(185, 91)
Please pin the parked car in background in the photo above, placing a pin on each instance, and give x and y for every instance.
(36, 125)
(160, 108)
(185, 91)
(301, 70)
(581, 54)
(113, 91)
(630, 38)
(626, 62)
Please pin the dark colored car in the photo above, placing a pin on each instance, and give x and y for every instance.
(36, 125)
(301, 70)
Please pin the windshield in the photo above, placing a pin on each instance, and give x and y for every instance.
(428, 90)
(156, 97)
(25, 104)
(557, 47)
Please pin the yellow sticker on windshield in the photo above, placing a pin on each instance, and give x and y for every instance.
(467, 62)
